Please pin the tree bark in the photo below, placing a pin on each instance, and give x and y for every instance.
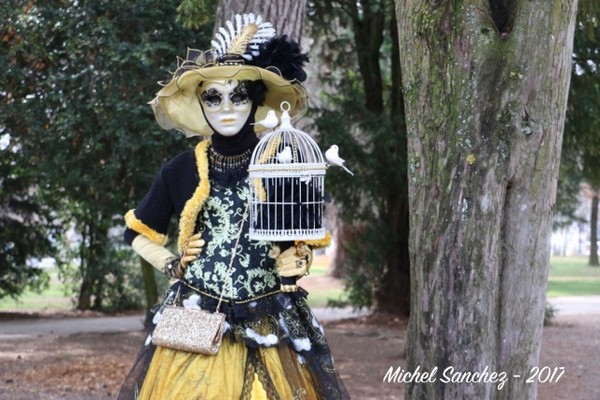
(593, 260)
(368, 34)
(150, 288)
(84, 298)
(287, 16)
(393, 293)
(485, 88)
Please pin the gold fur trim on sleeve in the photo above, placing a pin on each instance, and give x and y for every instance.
(137, 225)
(187, 220)
(318, 244)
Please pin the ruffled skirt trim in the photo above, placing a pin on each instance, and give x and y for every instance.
(273, 346)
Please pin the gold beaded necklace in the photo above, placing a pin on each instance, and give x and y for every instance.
(223, 163)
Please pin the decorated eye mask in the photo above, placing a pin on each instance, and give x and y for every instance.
(213, 98)
(226, 105)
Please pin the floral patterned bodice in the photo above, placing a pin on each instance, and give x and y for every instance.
(254, 272)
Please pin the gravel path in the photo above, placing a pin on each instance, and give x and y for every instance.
(565, 306)
(12, 328)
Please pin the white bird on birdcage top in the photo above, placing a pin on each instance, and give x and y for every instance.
(332, 155)
(270, 121)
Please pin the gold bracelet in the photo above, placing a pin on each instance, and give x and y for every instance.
(289, 288)
(173, 268)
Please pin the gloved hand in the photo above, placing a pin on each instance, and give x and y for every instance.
(158, 256)
(295, 261)
(193, 247)
(165, 261)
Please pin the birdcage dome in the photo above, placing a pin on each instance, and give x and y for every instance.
(287, 185)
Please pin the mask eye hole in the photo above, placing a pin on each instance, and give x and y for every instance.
(211, 97)
(239, 95)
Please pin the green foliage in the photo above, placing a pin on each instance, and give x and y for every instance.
(25, 232)
(549, 314)
(370, 145)
(581, 146)
(76, 82)
(570, 178)
(194, 14)
(361, 115)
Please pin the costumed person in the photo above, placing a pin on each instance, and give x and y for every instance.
(273, 346)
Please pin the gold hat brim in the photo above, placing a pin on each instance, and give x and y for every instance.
(176, 105)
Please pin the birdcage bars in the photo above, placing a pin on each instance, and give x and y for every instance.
(287, 186)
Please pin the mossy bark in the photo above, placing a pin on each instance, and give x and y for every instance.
(485, 108)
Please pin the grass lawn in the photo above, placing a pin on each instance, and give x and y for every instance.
(571, 276)
(320, 297)
(52, 298)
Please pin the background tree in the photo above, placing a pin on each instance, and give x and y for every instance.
(77, 77)
(363, 112)
(287, 16)
(593, 258)
(485, 86)
(581, 149)
(25, 232)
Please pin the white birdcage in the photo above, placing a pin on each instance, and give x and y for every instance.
(287, 185)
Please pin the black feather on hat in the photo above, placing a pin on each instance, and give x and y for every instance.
(282, 55)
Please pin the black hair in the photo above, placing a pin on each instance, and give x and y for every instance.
(257, 91)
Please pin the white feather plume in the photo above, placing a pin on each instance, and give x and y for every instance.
(238, 22)
(241, 36)
(225, 34)
(231, 28)
(216, 46)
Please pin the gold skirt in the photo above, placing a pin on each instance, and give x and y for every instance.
(235, 372)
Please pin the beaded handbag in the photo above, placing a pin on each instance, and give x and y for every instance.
(190, 330)
(193, 330)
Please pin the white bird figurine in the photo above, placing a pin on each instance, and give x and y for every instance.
(270, 120)
(285, 155)
(334, 159)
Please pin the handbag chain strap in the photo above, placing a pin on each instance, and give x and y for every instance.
(233, 253)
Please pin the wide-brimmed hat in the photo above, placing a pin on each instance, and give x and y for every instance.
(246, 51)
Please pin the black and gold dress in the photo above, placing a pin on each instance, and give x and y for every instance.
(273, 347)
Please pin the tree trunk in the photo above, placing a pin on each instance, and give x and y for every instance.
(150, 289)
(368, 34)
(593, 261)
(393, 293)
(84, 299)
(485, 88)
(287, 16)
